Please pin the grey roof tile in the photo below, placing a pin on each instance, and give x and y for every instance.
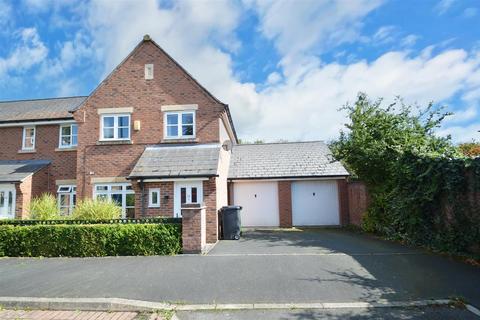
(18, 170)
(281, 160)
(40, 109)
(177, 161)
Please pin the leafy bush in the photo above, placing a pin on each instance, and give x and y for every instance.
(89, 209)
(44, 208)
(422, 189)
(90, 240)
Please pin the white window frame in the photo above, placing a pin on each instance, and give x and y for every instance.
(115, 127)
(109, 192)
(149, 71)
(150, 198)
(24, 147)
(179, 125)
(70, 191)
(60, 135)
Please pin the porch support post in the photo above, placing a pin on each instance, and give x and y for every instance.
(194, 225)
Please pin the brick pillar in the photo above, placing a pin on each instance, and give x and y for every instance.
(194, 235)
(285, 203)
(343, 201)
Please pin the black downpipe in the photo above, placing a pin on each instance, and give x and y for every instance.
(142, 196)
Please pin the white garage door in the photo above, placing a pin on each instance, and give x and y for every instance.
(315, 203)
(259, 201)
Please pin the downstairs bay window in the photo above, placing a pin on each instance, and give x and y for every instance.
(121, 193)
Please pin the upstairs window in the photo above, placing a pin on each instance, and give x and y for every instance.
(28, 142)
(180, 124)
(115, 127)
(68, 136)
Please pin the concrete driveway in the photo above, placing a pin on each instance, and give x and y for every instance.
(265, 266)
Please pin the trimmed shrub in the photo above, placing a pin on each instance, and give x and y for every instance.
(90, 240)
(44, 208)
(89, 209)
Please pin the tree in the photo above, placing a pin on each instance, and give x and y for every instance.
(470, 149)
(378, 136)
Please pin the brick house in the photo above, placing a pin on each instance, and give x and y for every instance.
(151, 138)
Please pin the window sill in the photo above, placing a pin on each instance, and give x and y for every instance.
(66, 149)
(180, 140)
(153, 207)
(113, 142)
(27, 151)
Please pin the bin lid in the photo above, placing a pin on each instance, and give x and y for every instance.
(224, 208)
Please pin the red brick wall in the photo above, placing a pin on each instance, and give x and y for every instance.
(285, 203)
(358, 201)
(23, 197)
(126, 87)
(343, 201)
(63, 164)
(166, 205)
(210, 200)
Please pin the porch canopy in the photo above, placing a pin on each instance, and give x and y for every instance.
(14, 171)
(177, 161)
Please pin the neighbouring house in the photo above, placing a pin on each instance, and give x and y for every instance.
(152, 139)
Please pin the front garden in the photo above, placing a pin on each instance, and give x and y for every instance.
(94, 229)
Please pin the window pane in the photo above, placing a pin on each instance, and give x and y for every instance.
(66, 141)
(130, 213)
(102, 188)
(187, 118)
(117, 198)
(66, 131)
(123, 133)
(154, 199)
(129, 187)
(108, 133)
(183, 195)
(172, 118)
(10, 202)
(29, 132)
(102, 197)
(2, 198)
(187, 130)
(130, 200)
(116, 188)
(194, 195)
(64, 200)
(123, 121)
(108, 122)
(74, 140)
(74, 129)
(172, 131)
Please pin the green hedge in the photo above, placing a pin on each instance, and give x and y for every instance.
(90, 240)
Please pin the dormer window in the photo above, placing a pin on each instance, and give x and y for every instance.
(28, 141)
(149, 71)
(180, 125)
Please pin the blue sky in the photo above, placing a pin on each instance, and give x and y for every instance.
(284, 67)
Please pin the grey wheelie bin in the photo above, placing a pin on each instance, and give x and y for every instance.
(231, 222)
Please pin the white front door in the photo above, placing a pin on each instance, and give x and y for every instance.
(7, 201)
(186, 192)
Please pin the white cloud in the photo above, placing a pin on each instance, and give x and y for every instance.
(29, 52)
(409, 40)
(443, 6)
(384, 34)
